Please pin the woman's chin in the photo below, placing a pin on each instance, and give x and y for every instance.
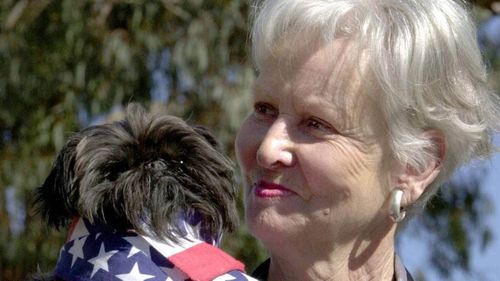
(271, 223)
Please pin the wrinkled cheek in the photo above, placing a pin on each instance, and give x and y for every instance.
(344, 166)
(326, 175)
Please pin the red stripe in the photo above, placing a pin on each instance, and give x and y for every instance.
(204, 262)
(71, 229)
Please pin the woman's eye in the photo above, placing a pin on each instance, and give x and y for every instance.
(318, 125)
(265, 109)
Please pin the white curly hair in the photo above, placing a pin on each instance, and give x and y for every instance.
(422, 54)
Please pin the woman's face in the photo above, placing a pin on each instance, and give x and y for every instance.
(311, 153)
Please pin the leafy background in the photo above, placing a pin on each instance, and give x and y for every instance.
(66, 64)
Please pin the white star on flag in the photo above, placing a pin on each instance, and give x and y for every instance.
(225, 277)
(101, 261)
(80, 230)
(134, 275)
(138, 245)
(77, 249)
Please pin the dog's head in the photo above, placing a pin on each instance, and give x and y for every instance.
(141, 173)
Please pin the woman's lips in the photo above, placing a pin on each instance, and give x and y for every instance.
(264, 189)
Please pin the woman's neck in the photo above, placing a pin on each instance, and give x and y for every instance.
(361, 260)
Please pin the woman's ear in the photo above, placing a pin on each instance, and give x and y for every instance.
(414, 181)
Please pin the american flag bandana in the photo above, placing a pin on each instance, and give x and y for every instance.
(93, 252)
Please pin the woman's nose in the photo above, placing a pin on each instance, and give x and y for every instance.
(276, 149)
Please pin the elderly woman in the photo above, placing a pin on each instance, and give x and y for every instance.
(362, 108)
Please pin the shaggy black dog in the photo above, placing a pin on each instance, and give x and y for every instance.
(141, 174)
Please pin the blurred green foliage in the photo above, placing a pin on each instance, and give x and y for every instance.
(67, 63)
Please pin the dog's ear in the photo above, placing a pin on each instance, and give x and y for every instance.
(55, 199)
(223, 184)
(208, 136)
